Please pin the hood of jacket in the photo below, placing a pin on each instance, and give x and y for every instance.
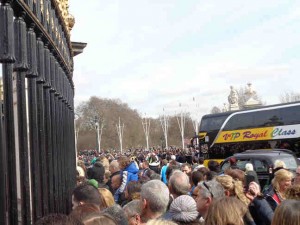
(132, 168)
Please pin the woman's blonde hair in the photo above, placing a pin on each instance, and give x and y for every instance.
(105, 162)
(107, 195)
(226, 210)
(235, 187)
(287, 213)
(279, 176)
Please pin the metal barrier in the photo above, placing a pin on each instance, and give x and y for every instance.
(37, 150)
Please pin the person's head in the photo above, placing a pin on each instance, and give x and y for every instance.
(170, 170)
(96, 172)
(86, 193)
(279, 164)
(133, 190)
(116, 182)
(287, 213)
(114, 166)
(173, 163)
(196, 177)
(104, 161)
(226, 210)
(186, 168)
(233, 187)
(124, 161)
(58, 219)
(118, 213)
(107, 195)
(236, 174)
(145, 165)
(183, 209)
(297, 176)
(208, 190)
(213, 166)
(99, 219)
(204, 172)
(232, 161)
(133, 212)
(293, 192)
(164, 162)
(249, 167)
(179, 184)
(106, 176)
(154, 199)
(82, 211)
(282, 180)
(201, 160)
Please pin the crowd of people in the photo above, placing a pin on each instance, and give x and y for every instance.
(175, 187)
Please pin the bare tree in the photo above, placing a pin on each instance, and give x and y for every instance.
(289, 97)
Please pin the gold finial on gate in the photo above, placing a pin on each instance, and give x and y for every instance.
(63, 6)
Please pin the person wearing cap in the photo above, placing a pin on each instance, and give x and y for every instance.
(232, 162)
(183, 210)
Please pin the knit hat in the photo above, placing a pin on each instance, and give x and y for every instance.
(93, 182)
(183, 209)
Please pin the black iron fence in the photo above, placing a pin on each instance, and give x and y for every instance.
(37, 152)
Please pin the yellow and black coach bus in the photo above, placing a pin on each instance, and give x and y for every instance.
(275, 126)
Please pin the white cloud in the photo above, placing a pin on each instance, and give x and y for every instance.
(156, 54)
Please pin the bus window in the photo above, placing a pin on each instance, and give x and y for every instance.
(290, 115)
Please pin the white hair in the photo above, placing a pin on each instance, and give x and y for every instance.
(156, 193)
(279, 163)
(249, 167)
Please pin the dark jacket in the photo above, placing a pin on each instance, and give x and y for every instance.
(251, 176)
(261, 211)
(270, 195)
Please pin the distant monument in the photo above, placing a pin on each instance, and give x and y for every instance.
(225, 109)
(251, 102)
(233, 99)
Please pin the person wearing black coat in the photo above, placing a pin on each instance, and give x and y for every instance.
(259, 208)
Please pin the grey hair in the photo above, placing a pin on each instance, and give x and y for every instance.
(133, 208)
(179, 183)
(156, 193)
(249, 167)
(114, 164)
(211, 189)
(118, 213)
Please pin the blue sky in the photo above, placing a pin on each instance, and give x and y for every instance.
(155, 54)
